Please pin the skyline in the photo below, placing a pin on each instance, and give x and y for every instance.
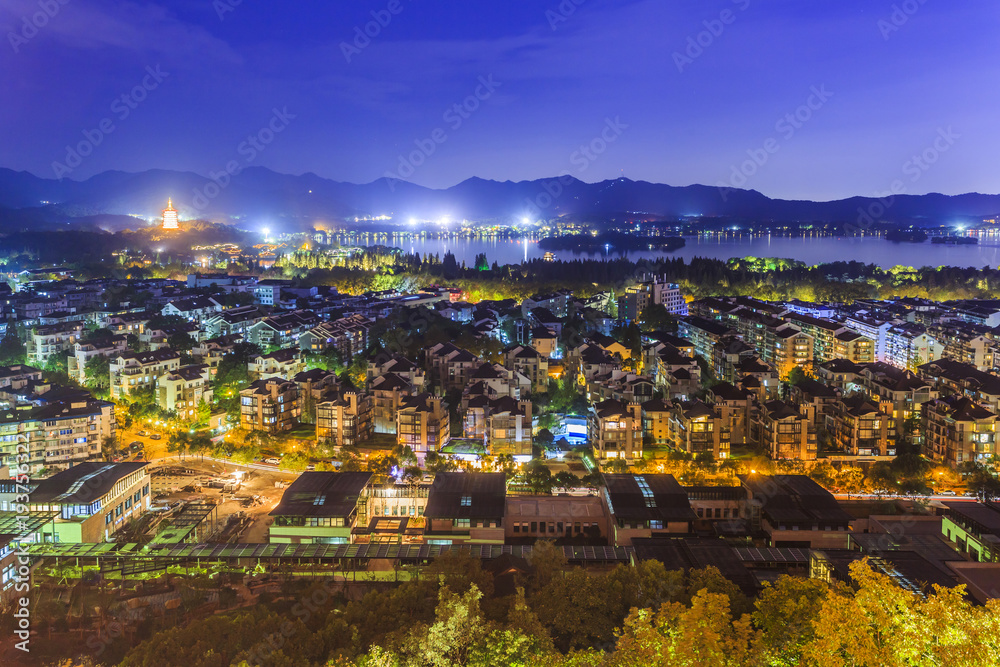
(537, 86)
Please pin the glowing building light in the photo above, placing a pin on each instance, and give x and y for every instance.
(170, 215)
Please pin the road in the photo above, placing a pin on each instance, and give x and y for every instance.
(872, 496)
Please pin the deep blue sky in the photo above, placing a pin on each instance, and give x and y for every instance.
(557, 88)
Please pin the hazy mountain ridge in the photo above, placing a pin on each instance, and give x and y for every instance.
(259, 193)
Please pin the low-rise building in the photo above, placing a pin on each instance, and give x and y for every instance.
(973, 529)
(528, 362)
(564, 519)
(508, 428)
(795, 511)
(642, 506)
(285, 363)
(93, 499)
(319, 508)
(466, 508)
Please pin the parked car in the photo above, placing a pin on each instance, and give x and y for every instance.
(155, 436)
(273, 461)
(144, 433)
(947, 492)
(311, 466)
(136, 446)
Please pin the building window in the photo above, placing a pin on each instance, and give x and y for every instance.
(466, 501)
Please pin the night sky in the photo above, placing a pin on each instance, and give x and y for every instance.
(889, 86)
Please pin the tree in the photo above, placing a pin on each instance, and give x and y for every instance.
(538, 477)
(12, 350)
(617, 466)
(656, 317)
(564, 479)
(98, 372)
(180, 341)
(233, 369)
(676, 635)
(382, 463)
(884, 624)
(784, 613)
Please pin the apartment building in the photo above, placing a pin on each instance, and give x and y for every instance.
(784, 432)
(286, 363)
(615, 430)
(696, 429)
(734, 407)
(388, 392)
(76, 365)
(423, 424)
(450, 366)
(194, 309)
(345, 421)
(958, 430)
(182, 390)
(529, 363)
(651, 290)
(910, 346)
(133, 371)
(45, 341)
(382, 363)
(347, 335)
(859, 427)
(508, 428)
(270, 405)
(315, 386)
(61, 429)
(281, 330)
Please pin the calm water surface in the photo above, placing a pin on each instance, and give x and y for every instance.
(808, 249)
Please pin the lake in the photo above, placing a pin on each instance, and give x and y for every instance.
(808, 249)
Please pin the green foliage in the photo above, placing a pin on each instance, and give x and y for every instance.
(98, 372)
(12, 350)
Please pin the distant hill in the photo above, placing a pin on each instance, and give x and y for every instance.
(259, 193)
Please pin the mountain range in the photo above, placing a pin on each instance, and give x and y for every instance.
(259, 194)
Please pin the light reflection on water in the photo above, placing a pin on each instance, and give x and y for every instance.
(808, 249)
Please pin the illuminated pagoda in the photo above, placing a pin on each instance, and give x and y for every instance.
(170, 215)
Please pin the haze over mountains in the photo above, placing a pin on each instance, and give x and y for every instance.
(257, 193)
